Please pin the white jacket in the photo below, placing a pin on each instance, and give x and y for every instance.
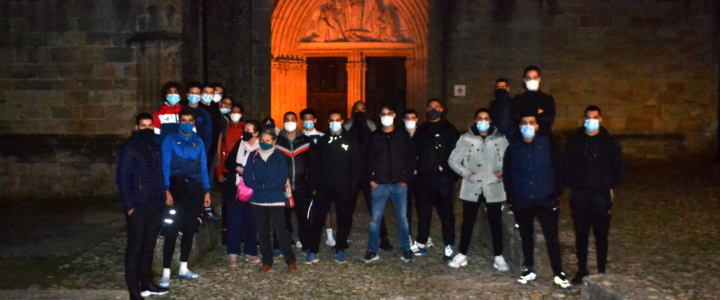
(473, 154)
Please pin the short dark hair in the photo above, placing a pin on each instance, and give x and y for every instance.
(485, 110)
(335, 111)
(218, 85)
(526, 115)
(255, 124)
(308, 111)
(142, 116)
(592, 108)
(410, 111)
(193, 84)
(242, 109)
(358, 103)
(502, 80)
(389, 107)
(270, 132)
(186, 112)
(289, 113)
(204, 86)
(531, 68)
(165, 90)
(435, 100)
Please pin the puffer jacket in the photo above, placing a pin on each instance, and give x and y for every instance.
(532, 173)
(482, 156)
(139, 174)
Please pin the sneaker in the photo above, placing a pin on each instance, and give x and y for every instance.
(152, 289)
(277, 254)
(232, 260)
(448, 255)
(298, 245)
(385, 245)
(526, 276)
(418, 249)
(578, 279)
(500, 264)
(407, 256)
(429, 243)
(253, 259)
(561, 281)
(370, 257)
(164, 282)
(340, 257)
(209, 215)
(311, 259)
(459, 260)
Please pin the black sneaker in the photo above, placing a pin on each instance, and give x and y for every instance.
(152, 289)
(370, 257)
(407, 256)
(385, 245)
(578, 279)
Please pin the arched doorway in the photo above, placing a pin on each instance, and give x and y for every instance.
(349, 32)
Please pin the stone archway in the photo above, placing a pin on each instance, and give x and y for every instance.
(354, 29)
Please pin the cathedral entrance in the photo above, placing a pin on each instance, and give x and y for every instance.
(385, 84)
(326, 87)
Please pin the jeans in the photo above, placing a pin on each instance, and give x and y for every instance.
(264, 216)
(397, 192)
(143, 228)
(241, 228)
(591, 208)
(548, 218)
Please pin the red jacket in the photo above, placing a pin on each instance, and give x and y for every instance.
(233, 134)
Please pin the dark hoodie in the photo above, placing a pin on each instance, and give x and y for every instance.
(593, 161)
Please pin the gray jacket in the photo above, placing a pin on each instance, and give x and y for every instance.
(473, 154)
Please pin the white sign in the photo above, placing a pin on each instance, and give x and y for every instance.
(459, 90)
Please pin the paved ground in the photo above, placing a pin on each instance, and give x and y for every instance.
(664, 236)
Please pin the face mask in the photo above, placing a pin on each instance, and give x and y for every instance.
(224, 111)
(410, 125)
(186, 128)
(146, 134)
(499, 93)
(433, 114)
(527, 131)
(359, 116)
(235, 117)
(207, 98)
(592, 125)
(309, 125)
(335, 127)
(290, 126)
(532, 85)
(386, 121)
(193, 99)
(217, 97)
(265, 146)
(172, 99)
(483, 126)
(247, 136)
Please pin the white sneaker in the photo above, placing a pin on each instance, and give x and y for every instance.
(448, 255)
(527, 276)
(330, 242)
(429, 243)
(500, 264)
(459, 260)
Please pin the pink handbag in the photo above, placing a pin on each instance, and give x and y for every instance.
(243, 191)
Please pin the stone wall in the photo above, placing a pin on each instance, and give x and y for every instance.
(652, 66)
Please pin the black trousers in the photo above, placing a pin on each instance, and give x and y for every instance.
(275, 215)
(288, 226)
(188, 204)
(494, 216)
(229, 193)
(413, 192)
(591, 208)
(302, 205)
(548, 218)
(345, 202)
(436, 191)
(364, 187)
(143, 228)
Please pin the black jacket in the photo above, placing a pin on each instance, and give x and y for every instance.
(500, 112)
(390, 157)
(298, 156)
(529, 103)
(336, 162)
(593, 161)
(532, 173)
(433, 144)
(139, 174)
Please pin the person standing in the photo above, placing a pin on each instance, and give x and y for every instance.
(535, 102)
(309, 118)
(434, 143)
(533, 187)
(335, 176)
(231, 131)
(410, 119)
(165, 119)
(594, 165)
(266, 173)
(478, 158)
(390, 163)
(140, 183)
(187, 190)
(501, 110)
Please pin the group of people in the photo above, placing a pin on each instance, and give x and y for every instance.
(507, 156)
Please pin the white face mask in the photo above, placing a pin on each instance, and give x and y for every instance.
(532, 85)
(217, 98)
(410, 125)
(386, 120)
(290, 126)
(235, 117)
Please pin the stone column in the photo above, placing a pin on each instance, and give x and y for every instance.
(356, 69)
(289, 87)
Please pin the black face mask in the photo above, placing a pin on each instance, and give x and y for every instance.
(499, 93)
(359, 116)
(433, 114)
(247, 136)
(146, 134)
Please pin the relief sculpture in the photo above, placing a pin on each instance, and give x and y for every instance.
(355, 21)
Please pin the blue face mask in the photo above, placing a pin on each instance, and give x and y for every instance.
(592, 125)
(335, 127)
(224, 111)
(172, 99)
(207, 98)
(186, 128)
(193, 99)
(527, 131)
(483, 126)
(309, 125)
(265, 146)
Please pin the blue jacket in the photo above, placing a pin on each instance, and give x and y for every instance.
(203, 125)
(532, 173)
(266, 178)
(138, 174)
(185, 156)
